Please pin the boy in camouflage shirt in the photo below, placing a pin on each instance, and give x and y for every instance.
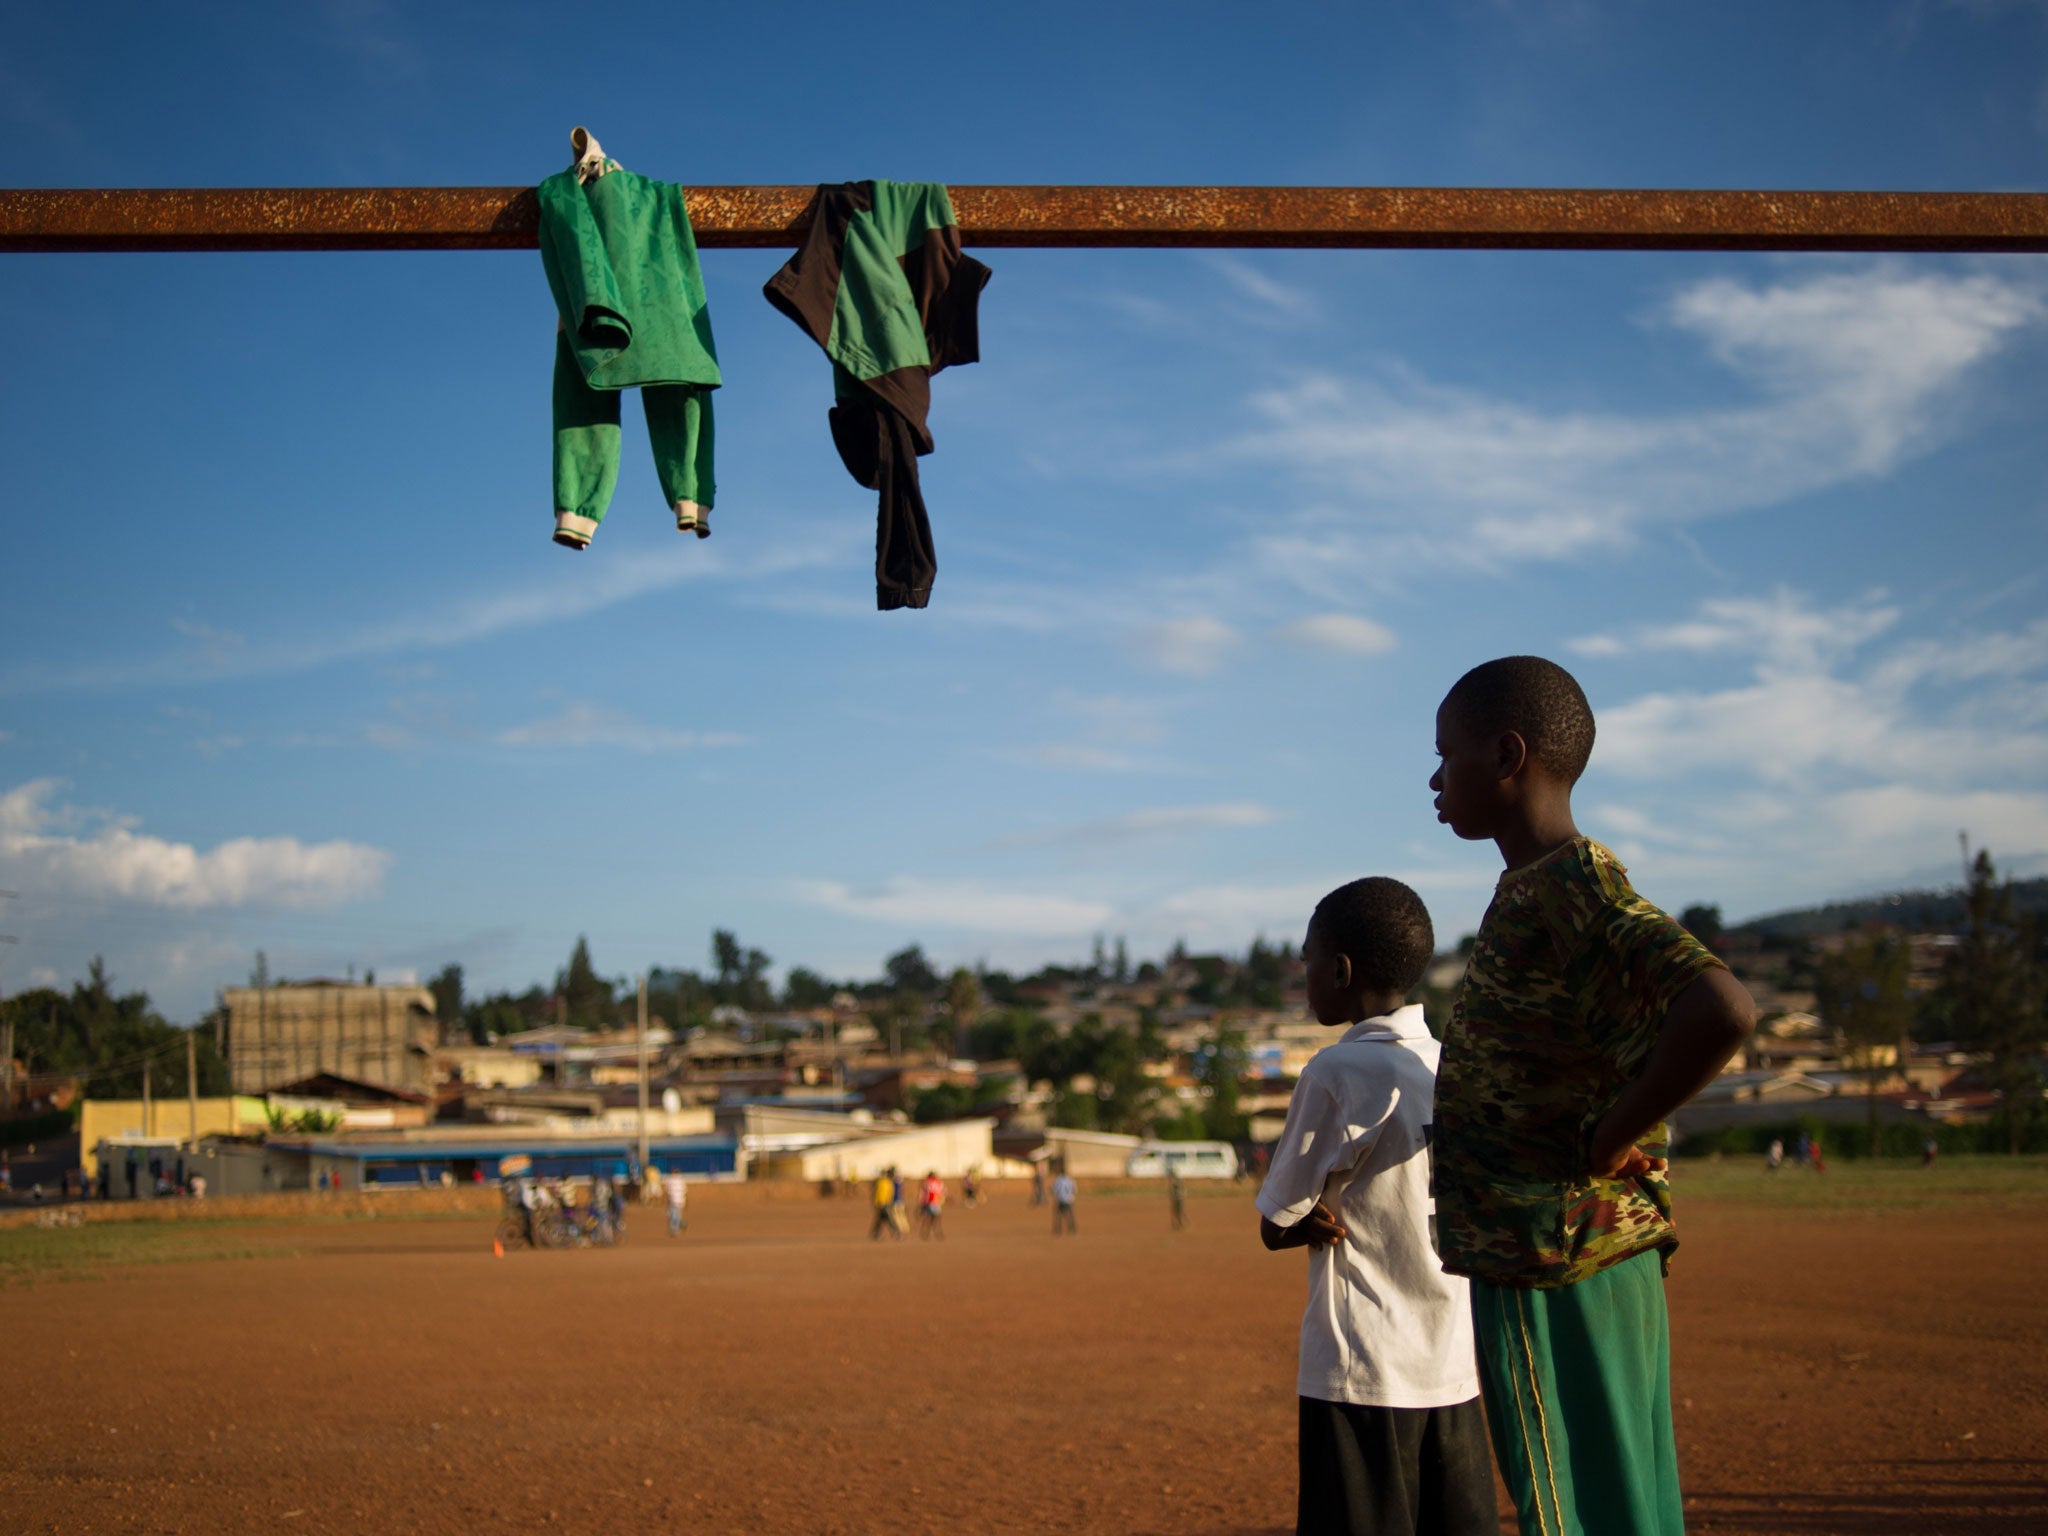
(1585, 1018)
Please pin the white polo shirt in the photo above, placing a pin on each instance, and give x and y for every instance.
(1384, 1326)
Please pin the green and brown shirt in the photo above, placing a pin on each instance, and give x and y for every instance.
(1568, 984)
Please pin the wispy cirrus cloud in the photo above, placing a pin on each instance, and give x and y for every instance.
(214, 656)
(1783, 629)
(1852, 373)
(1341, 634)
(1117, 733)
(1194, 646)
(594, 725)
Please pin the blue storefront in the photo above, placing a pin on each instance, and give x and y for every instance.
(401, 1164)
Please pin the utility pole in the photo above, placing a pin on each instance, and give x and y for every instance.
(148, 1126)
(191, 1091)
(7, 1044)
(643, 1076)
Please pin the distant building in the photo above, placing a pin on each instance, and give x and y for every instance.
(283, 1034)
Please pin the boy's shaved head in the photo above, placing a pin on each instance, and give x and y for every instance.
(1538, 700)
(1382, 927)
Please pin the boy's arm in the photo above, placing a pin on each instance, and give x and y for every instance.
(1318, 1229)
(1706, 1025)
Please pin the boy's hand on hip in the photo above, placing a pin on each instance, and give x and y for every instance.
(1320, 1227)
(1613, 1159)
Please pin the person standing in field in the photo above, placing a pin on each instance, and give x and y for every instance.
(1392, 1438)
(884, 1193)
(1585, 1017)
(1063, 1204)
(1176, 1198)
(676, 1191)
(898, 1217)
(1038, 1183)
(1774, 1159)
(931, 1207)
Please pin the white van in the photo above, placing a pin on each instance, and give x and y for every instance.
(1190, 1159)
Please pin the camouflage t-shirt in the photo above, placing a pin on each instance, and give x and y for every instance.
(1568, 984)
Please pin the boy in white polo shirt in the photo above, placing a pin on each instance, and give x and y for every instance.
(1393, 1438)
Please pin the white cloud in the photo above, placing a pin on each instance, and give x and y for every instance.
(1782, 628)
(1904, 815)
(1344, 634)
(1113, 724)
(910, 902)
(1844, 755)
(1135, 826)
(67, 851)
(592, 725)
(1261, 288)
(1085, 757)
(1807, 707)
(1194, 646)
(1852, 372)
(1116, 717)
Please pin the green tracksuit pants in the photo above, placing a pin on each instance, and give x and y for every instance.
(587, 450)
(1578, 1399)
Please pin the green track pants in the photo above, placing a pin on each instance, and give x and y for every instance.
(587, 450)
(1578, 1399)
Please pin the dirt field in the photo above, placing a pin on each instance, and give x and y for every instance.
(1838, 1370)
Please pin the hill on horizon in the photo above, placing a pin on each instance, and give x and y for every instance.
(1921, 910)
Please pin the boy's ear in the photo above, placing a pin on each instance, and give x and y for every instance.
(1340, 972)
(1511, 754)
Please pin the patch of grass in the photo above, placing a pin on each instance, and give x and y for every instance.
(68, 1253)
(1864, 1184)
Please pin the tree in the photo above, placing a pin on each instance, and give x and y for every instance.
(109, 1039)
(805, 988)
(742, 973)
(1862, 994)
(586, 996)
(1219, 1067)
(682, 997)
(1703, 923)
(963, 1006)
(1993, 983)
(1266, 973)
(942, 1102)
(447, 989)
(909, 971)
(1001, 1036)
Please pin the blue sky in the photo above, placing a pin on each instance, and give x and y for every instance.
(288, 660)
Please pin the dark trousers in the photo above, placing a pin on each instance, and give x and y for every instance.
(1383, 1471)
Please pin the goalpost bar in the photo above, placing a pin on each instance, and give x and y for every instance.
(1469, 218)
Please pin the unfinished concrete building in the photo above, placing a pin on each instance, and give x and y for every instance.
(282, 1034)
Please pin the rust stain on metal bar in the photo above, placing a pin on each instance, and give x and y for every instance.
(506, 218)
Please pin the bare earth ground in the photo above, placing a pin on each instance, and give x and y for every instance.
(1838, 1370)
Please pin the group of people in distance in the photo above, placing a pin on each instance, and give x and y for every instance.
(887, 1195)
(1489, 1215)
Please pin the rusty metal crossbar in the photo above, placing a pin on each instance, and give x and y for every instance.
(506, 218)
